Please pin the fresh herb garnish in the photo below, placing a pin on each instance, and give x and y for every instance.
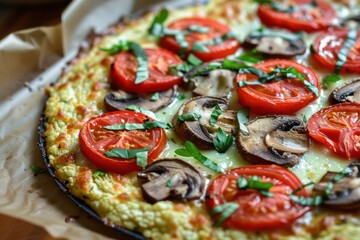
(182, 68)
(193, 60)
(314, 201)
(253, 56)
(215, 114)
(305, 118)
(267, 32)
(99, 173)
(344, 51)
(191, 150)
(38, 170)
(243, 117)
(139, 154)
(330, 79)
(222, 141)
(139, 126)
(142, 71)
(199, 47)
(159, 19)
(140, 110)
(226, 210)
(180, 96)
(342, 174)
(155, 97)
(168, 183)
(189, 117)
(288, 9)
(254, 182)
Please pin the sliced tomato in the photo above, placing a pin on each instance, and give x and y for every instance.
(256, 211)
(338, 128)
(123, 71)
(215, 30)
(327, 46)
(304, 17)
(282, 97)
(95, 140)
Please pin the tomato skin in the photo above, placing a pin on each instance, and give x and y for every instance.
(317, 19)
(338, 128)
(283, 97)
(217, 29)
(327, 46)
(257, 212)
(123, 71)
(95, 140)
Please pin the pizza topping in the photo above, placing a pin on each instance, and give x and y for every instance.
(278, 43)
(119, 100)
(171, 179)
(201, 131)
(214, 83)
(344, 193)
(352, 22)
(273, 139)
(347, 93)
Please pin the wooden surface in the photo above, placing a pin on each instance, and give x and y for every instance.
(14, 18)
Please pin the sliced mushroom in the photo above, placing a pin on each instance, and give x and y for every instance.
(347, 93)
(345, 193)
(275, 45)
(171, 179)
(214, 83)
(201, 132)
(278, 140)
(117, 100)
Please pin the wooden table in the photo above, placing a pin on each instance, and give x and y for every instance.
(14, 18)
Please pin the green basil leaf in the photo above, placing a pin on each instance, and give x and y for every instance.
(124, 153)
(314, 201)
(302, 187)
(180, 69)
(226, 211)
(267, 193)
(140, 110)
(215, 114)
(99, 173)
(255, 183)
(242, 183)
(183, 152)
(169, 183)
(193, 60)
(267, 32)
(142, 71)
(243, 117)
(125, 126)
(199, 47)
(330, 79)
(38, 170)
(189, 117)
(141, 158)
(180, 96)
(122, 45)
(344, 51)
(198, 28)
(180, 39)
(342, 174)
(222, 142)
(305, 118)
(328, 189)
(155, 97)
(154, 124)
(159, 19)
(253, 56)
(192, 148)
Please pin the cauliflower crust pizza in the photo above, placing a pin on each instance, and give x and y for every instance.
(230, 120)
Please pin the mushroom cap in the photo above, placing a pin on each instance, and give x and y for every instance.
(118, 100)
(349, 92)
(200, 132)
(171, 179)
(274, 139)
(345, 193)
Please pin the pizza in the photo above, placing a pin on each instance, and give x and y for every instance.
(229, 120)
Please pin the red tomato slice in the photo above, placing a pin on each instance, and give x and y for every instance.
(307, 18)
(123, 71)
(338, 128)
(95, 140)
(216, 29)
(282, 97)
(327, 46)
(256, 211)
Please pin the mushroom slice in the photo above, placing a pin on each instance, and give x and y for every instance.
(278, 140)
(347, 93)
(345, 193)
(275, 45)
(117, 100)
(214, 83)
(201, 132)
(171, 179)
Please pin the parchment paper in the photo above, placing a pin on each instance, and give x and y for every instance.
(24, 56)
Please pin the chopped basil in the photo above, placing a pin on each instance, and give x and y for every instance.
(189, 117)
(267, 32)
(155, 97)
(142, 71)
(344, 51)
(99, 173)
(169, 183)
(222, 141)
(199, 47)
(243, 117)
(191, 150)
(254, 182)
(330, 79)
(215, 115)
(305, 118)
(180, 69)
(314, 201)
(159, 19)
(242, 182)
(138, 126)
(180, 39)
(220, 39)
(125, 153)
(253, 56)
(226, 210)
(38, 170)
(193, 60)
(198, 28)
(342, 174)
(140, 110)
(141, 158)
(180, 96)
